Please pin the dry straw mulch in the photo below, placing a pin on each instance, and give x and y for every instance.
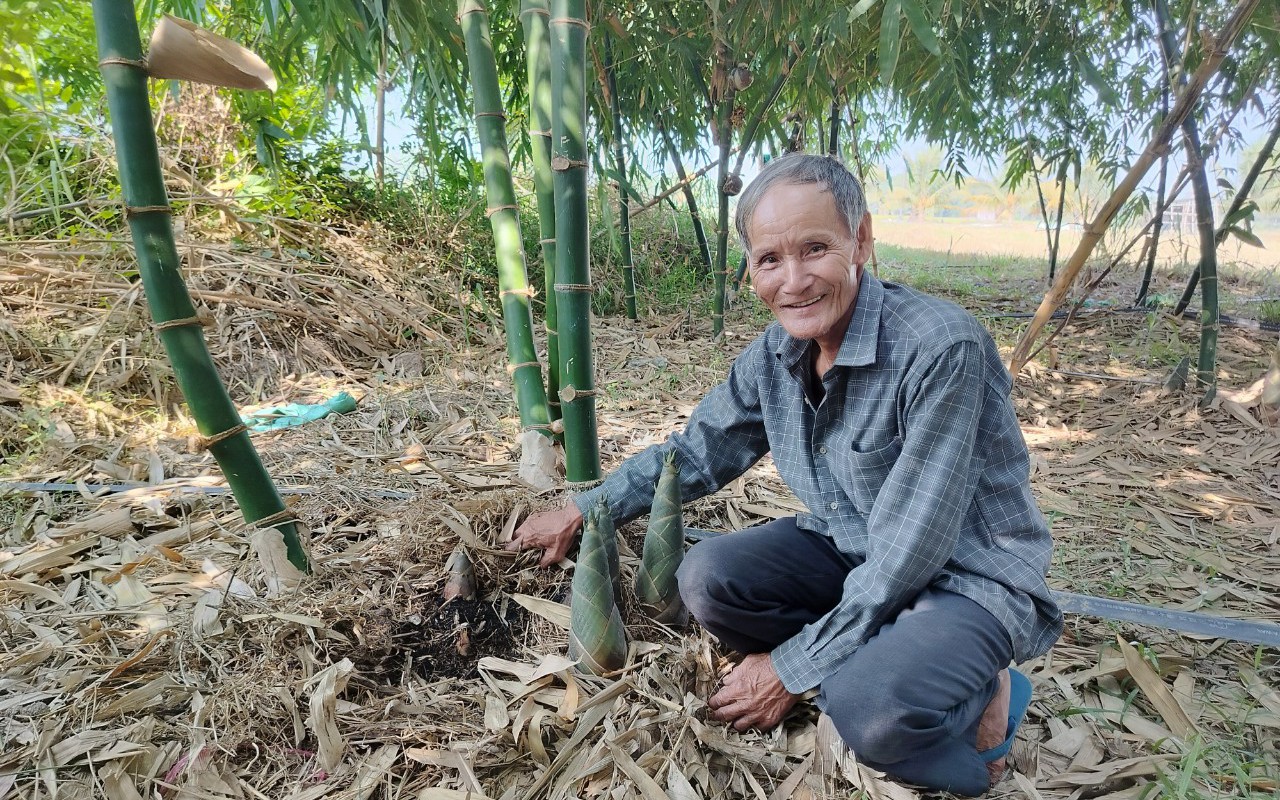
(143, 657)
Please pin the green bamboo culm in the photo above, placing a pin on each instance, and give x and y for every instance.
(573, 272)
(504, 219)
(597, 639)
(656, 585)
(620, 162)
(720, 273)
(147, 208)
(537, 44)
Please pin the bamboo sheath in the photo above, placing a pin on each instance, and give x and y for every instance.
(1095, 229)
(142, 182)
(597, 638)
(504, 219)
(656, 585)
(534, 15)
(573, 273)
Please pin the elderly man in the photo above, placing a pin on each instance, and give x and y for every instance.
(918, 572)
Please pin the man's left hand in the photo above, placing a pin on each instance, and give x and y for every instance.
(752, 696)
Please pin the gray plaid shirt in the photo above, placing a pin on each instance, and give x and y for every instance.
(912, 463)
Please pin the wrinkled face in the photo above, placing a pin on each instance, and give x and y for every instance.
(805, 262)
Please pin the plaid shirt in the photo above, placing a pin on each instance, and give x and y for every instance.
(912, 463)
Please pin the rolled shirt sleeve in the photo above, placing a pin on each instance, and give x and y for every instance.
(724, 437)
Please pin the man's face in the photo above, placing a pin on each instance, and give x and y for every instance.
(805, 262)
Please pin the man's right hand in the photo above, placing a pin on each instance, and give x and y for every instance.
(552, 531)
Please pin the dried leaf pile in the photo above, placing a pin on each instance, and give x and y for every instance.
(143, 656)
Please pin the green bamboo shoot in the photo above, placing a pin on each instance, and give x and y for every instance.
(601, 518)
(597, 639)
(504, 219)
(573, 272)
(534, 14)
(124, 74)
(656, 585)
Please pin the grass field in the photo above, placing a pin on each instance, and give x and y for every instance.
(988, 259)
(963, 237)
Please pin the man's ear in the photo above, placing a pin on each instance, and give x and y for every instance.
(865, 241)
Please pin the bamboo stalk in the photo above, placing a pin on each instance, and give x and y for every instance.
(504, 219)
(724, 136)
(620, 162)
(1095, 229)
(699, 232)
(680, 185)
(147, 204)
(1206, 372)
(1158, 220)
(568, 28)
(534, 15)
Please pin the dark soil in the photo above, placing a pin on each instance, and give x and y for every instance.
(449, 642)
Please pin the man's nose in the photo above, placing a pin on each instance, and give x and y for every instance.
(794, 275)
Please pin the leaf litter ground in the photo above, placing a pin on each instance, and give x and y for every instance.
(144, 658)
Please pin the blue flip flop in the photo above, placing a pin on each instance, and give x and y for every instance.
(1019, 699)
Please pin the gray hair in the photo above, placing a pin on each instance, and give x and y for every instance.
(797, 169)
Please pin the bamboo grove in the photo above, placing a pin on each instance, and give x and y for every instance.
(709, 87)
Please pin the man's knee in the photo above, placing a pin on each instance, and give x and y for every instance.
(877, 719)
(701, 577)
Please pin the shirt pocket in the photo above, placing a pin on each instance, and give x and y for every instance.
(864, 473)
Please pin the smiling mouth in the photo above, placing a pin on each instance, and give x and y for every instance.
(806, 303)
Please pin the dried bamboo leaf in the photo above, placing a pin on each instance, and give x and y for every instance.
(322, 715)
(1155, 690)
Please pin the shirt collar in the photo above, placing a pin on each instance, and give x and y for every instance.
(861, 338)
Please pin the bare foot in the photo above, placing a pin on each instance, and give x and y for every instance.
(994, 726)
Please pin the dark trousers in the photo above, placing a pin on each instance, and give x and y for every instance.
(909, 700)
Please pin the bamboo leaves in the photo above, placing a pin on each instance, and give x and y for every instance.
(890, 39)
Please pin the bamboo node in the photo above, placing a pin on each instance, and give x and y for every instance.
(199, 443)
(573, 287)
(272, 520)
(528, 291)
(132, 211)
(581, 23)
(585, 484)
(546, 133)
(491, 114)
(511, 368)
(489, 212)
(569, 393)
(184, 322)
(563, 163)
(139, 63)
(552, 240)
(542, 12)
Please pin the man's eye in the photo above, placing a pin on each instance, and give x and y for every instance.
(817, 248)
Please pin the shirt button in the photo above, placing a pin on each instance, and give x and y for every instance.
(822, 451)
(834, 506)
